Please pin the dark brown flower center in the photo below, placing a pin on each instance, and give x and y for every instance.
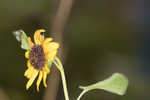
(37, 57)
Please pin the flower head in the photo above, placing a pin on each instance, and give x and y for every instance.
(41, 53)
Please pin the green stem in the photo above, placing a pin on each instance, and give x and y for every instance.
(82, 93)
(59, 65)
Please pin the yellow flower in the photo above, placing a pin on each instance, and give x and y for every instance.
(40, 54)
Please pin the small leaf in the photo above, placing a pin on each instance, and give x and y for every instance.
(117, 84)
(22, 37)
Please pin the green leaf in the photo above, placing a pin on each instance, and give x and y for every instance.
(117, 84)
(22, 37)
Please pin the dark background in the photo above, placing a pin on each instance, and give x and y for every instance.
(102, 37)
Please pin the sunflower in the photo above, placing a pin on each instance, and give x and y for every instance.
(42, 53)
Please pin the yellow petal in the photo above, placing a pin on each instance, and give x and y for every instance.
(28, 73)
(27, 54)
(29, 64)
(39, 80)
(51, 55)
(38, 38)
(50, 50)
(46, 69)
(47, 40)
(31, 80)
(51, 46)
(44, 78)
(30, 42)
